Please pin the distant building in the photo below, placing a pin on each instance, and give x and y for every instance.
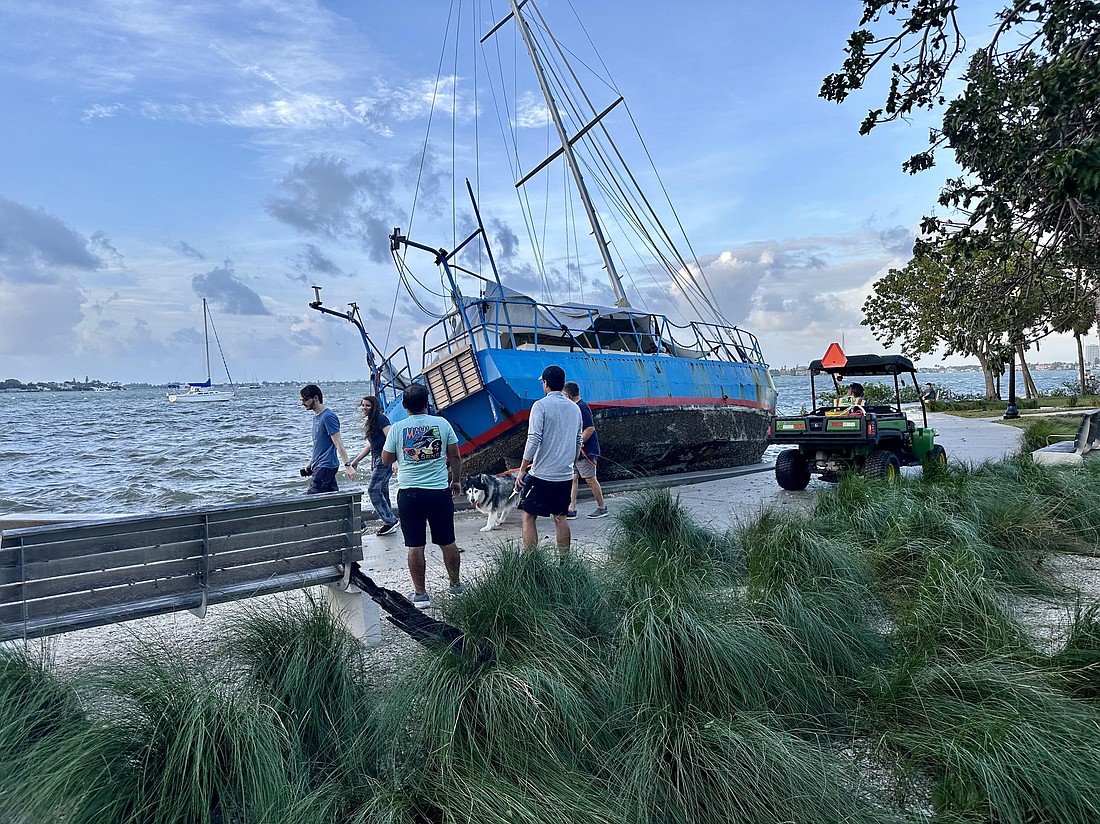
(1092, 354)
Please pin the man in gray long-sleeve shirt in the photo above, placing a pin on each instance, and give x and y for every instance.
(545, 476)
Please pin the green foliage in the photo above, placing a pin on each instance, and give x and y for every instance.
(955, 610)
(998, 741)
(300, 656)
(863, 663)
(1042, 432)
(167, 741)
(876, 394)
(1078, 662)
(686, 766)
(659, 546)
(1022, 129)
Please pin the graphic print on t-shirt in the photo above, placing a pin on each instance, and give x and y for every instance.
(422, 443)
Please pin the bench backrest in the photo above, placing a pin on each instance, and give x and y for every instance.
(1088, 434)
(73, 576)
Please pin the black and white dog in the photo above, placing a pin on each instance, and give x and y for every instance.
(492, 495)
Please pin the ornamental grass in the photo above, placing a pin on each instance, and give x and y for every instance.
(865, 662)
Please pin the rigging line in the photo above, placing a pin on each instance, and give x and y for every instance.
(428, 127)
(562, 50)
(403, 269)
(389, 326)
(609, 180)
(701, 275)
(508, 135)
(569, 205)
(454, 123)
(454, 153)
(546, 221)
(402, 272)
(539, 241)
(477, 135)
(634, 194)
(643, 264)
(220, 352)
(712, 305)
(560, 92)
(663, 250)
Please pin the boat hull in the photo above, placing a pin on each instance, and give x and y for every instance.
(636, 441)
(654, 414)
(200, 397)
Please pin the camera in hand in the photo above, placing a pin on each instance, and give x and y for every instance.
(306, 471)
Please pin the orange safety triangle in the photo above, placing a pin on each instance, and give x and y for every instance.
(834, 356)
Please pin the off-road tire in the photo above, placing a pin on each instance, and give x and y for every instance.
(936, 457)
(883, 465)
(791, 470)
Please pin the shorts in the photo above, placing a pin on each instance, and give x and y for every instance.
(323, 479)
(541, 497)
(586, 467)
(434, 508)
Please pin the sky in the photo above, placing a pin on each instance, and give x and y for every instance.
(153, 154)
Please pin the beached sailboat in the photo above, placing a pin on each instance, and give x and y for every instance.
(202, 392)
(667, 397)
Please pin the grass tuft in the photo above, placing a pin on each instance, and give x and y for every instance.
(660, 546)
(300, 657)
(999, 743)
(700, 768)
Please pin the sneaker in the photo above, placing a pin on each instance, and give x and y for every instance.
(362, 526)
(387, 529)
(421, 601)
(570, 514)
(457, 590)
(599, 512)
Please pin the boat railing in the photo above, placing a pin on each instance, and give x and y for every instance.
(393, 374)
(494, 323)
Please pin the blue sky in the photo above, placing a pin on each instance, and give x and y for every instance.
(155, 153)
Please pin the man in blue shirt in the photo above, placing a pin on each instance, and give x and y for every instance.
(590, 454)
(328, 447)
(425, 449)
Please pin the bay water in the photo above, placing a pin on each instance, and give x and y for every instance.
(132, 452)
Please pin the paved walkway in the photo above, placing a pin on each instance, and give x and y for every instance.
(719, 503)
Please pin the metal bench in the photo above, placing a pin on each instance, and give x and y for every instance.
(71, 576)
(1073, 452)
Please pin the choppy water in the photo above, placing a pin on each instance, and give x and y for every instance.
(133, 452)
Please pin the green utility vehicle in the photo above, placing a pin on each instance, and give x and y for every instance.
(851, 436)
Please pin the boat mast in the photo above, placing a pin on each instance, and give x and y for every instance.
(570, 158)
(206, 339)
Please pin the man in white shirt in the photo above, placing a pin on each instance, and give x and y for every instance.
(545, 476)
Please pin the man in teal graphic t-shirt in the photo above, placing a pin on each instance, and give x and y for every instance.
(422, 446)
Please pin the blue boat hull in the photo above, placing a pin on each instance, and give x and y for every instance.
(654, 414)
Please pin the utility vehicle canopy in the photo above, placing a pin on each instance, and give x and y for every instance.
(862, 365)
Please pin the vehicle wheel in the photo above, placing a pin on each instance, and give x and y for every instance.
(882, 464)
(936, 457)
(791, 470)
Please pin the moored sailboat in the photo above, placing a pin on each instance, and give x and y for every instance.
(667, 397)
(202, 392)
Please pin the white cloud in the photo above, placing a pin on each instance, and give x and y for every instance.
(531, 112)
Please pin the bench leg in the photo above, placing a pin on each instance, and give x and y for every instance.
(357, 612)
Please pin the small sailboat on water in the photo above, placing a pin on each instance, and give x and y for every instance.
(667, 396)
(202, 392)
